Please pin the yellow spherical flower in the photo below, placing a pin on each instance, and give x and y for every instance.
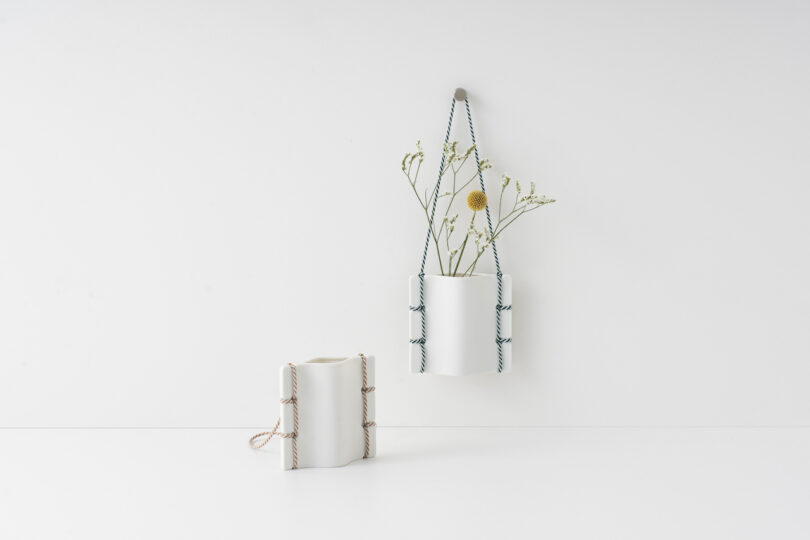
(477, 200)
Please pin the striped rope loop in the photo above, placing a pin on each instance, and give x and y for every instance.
(499, 306)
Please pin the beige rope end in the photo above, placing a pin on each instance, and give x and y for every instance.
(261, 439)
(268, 435)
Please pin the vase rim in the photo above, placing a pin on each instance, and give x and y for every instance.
(327, 360)
(462, 277)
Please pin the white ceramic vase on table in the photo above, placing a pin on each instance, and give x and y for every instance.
(330, 412)
(460, 324)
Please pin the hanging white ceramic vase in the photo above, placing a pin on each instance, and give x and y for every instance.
(462, 317)
(460, 325)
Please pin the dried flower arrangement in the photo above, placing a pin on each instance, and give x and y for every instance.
(454, 162)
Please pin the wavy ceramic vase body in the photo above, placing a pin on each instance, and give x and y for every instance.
(460, 324)
(330, 412)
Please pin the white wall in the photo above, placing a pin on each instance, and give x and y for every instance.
(194, 193)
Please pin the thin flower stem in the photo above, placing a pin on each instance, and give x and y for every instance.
(435, 241)
(450, 202)
(496, 233)
(460, 253)
(453, 162)
(500, 202)
(455, 193)
(499, 229)
(441, 175)
(413, 186)
(430, 225)
(464, 245)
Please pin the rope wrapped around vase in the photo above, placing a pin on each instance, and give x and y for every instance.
(365, 389)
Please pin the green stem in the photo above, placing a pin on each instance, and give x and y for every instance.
(441, 175)
(463, 245)
(450, 203)
(430, 226)
(435, 243)
(455, 193)
(460, 253)
(496, 234)
(500, 202)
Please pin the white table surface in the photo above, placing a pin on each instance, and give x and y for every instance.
(590, 483)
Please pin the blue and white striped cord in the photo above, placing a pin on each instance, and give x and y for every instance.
(499, 306)
(421, 306)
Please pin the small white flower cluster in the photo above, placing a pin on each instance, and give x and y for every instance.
(482, 238)
(539, 199)
(409, 158)
(505, 179)
(452, 154)
(450, 221)
(531, 197)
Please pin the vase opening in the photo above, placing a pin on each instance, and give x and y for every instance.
(325, 360)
